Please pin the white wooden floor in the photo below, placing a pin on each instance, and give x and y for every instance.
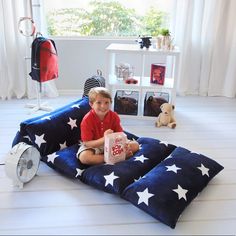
(53, 204)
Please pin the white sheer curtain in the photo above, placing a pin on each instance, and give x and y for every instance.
(14, 48)
(205, 31)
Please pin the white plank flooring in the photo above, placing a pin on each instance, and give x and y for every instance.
(53, 204)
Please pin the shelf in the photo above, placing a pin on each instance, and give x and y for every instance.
(117, 51)
(135, 48)
(145, 83)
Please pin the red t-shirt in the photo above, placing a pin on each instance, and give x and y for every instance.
(92, 128)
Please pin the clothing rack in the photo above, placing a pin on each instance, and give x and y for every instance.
(38, 106)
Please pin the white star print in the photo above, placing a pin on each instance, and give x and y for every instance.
(52, 157)
(141, 158)
(144, 196)
(26, 137)
(111, 164)
(75, 105)
(110, 178)
(163, 142)
(181, 192)
(79, 172)
(139, 178)
(46, 118)
(72, 123)
(63, 145)
(194, 152)
(204, 170)
(170, 156)
(39, 140)
(173, 168)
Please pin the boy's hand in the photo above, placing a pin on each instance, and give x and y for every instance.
(108, 131)
(128, 150)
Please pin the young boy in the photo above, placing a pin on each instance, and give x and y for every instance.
(97, 123)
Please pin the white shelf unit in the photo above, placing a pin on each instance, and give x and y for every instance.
(143, 85)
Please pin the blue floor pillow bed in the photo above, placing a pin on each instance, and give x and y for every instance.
(161, 178)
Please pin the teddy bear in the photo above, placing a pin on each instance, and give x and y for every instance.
(166, 118)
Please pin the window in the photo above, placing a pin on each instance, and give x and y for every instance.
(113, 18)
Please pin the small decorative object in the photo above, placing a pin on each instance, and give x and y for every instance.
(157, 74)
(94, 81)
(115, 147)
(131, 81)
(124, 71)
(144, 41)
(159, 42)
(166, 117)
(164, 40)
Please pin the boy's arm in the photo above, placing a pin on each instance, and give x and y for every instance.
(98, 142)
(94, 143)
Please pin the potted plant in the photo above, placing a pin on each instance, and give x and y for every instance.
(165, 39)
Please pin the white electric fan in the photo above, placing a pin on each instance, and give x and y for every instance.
(22, 163)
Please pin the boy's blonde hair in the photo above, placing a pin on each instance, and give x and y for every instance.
(104, 92)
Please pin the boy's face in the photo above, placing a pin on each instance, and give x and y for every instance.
(101, 105)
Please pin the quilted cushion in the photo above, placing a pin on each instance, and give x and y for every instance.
(57, 130)
(24, 123)
(115, 178)
(168, 188)
(65, 162)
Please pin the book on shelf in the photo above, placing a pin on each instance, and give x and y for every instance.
(158, 74)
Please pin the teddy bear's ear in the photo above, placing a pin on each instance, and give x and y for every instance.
(173, 107)
(150, 98)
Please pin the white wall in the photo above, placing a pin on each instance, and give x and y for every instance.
(79, 59)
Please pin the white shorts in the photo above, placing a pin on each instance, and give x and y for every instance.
(82, 148)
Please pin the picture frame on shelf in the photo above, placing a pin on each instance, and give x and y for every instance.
(158, 74)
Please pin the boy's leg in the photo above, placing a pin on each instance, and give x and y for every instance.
(88, 157)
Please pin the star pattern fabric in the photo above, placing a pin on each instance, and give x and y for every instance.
(72, 123)
(181, 192)
(52, 157)
(110, 178)
(58, 129)
(164, 142)
(129, 171)
(141, 158)
(46, 118)
(204, 170)
(79, 172)
(76, 106)
(168, 189)
(173, 168)
(39, 140)
(63, 145)
(160, 178)
(144, 196)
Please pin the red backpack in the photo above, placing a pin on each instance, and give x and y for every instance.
(44, 60)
